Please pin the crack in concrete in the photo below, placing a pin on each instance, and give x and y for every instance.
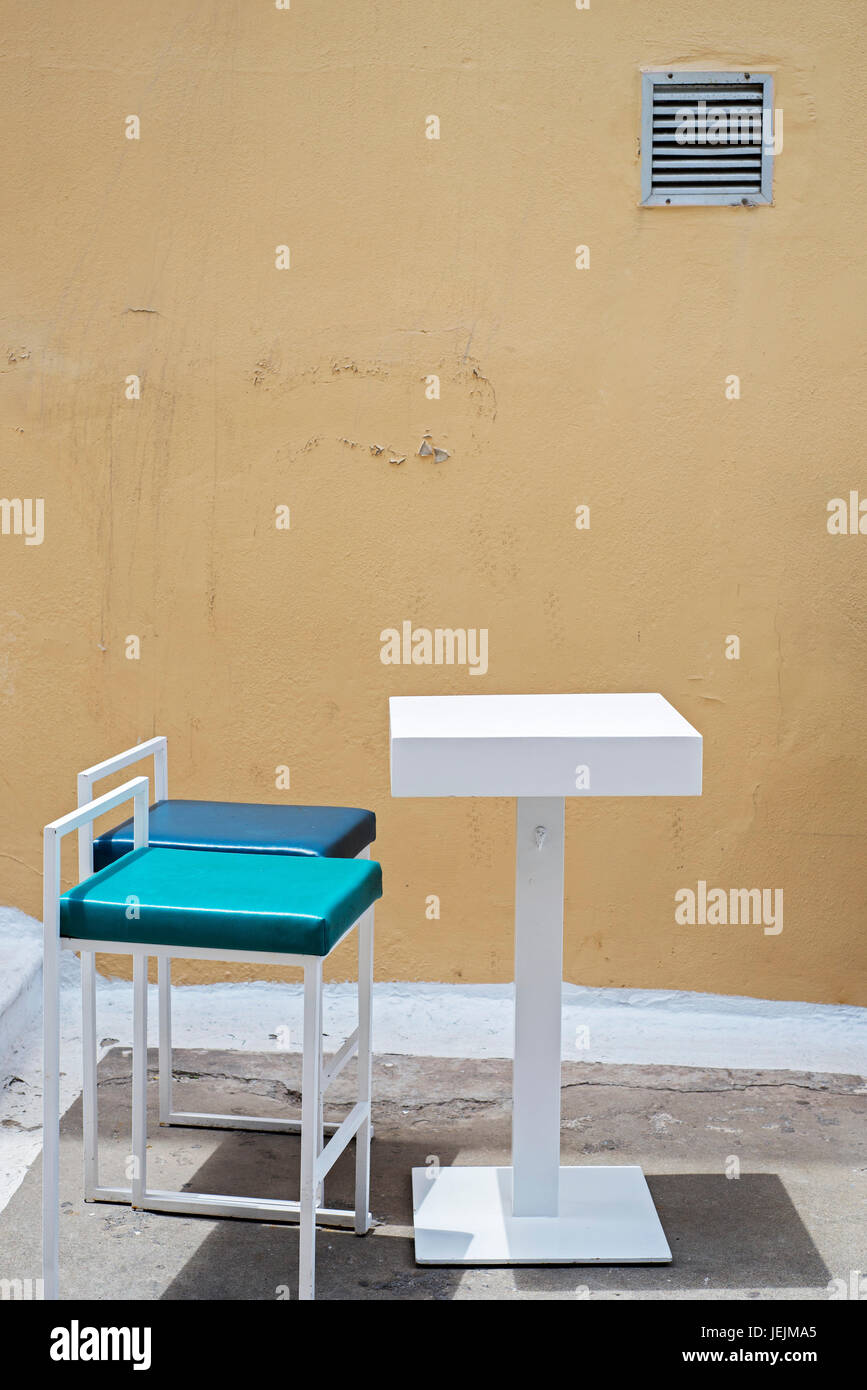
(714, 1090)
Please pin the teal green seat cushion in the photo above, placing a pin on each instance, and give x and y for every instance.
(220, 900)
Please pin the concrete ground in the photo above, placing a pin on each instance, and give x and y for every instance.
(793, 1221)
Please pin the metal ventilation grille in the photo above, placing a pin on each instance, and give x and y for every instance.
(704, 140)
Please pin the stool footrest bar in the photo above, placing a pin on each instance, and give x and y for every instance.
(108, 1194)
(199, 1120)
(243, 1208)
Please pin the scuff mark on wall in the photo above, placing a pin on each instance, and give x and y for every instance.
(264, 367)
(480, 389)
(11, 628)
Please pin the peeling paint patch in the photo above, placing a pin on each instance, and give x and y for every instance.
(374, 369)
(426, 451)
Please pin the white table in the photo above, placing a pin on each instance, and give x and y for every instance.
(539, 749)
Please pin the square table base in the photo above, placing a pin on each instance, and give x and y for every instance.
(464, 1216)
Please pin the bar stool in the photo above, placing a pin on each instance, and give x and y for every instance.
(339, 832)
(211, 905)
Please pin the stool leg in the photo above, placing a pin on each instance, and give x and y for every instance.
(90, 1120)
(310, 1135)
(51, 1071)
(164, 987)
(365, 1070)
(320, 1118)
(139, 1078)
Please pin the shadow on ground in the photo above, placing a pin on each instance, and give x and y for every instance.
(784, 1228)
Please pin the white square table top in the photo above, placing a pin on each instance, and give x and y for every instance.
(542, 745)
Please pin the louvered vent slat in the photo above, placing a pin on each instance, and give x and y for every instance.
(675, 92)
(705, 137)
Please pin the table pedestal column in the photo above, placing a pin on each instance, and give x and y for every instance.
(538, 1006)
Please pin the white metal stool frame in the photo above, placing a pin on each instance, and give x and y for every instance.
(316, 1159)
(359, 1042)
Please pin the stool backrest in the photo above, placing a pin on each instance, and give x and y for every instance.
(157, 748)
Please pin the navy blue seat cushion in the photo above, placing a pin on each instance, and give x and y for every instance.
(330, 832)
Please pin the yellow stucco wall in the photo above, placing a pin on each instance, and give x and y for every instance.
(560, 387)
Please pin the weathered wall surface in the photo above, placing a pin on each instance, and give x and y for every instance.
(605, 387)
